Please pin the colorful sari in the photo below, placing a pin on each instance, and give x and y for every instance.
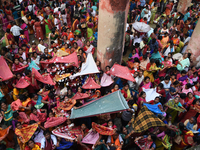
(48, 27)
(23, 40)
(25, 28)
(4, 21)
(8, 115)
(149, 72)
(25, 134)
(90, 35)
(143, 144)
(166, 142)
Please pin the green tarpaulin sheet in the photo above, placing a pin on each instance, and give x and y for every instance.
(113, 102)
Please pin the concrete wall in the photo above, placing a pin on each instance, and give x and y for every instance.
(111, 31)
(195, 42)
(183, 5)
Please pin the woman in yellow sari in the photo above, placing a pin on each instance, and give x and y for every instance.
(150, 69)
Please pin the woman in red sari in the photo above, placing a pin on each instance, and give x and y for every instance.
(69, 17)
(38, 29)
(16, 65)
(9, 14)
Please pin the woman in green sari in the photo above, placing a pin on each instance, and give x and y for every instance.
(48, 26)
(90, 35)
(7, 112)
(153, 13)
(174, 106)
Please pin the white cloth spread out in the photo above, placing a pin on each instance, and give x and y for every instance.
(151, 94)
(89, 67)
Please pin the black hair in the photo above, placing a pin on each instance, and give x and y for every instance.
(15, 114)
(167, 78)
(27, 72)
(46, 131)
(153, 137)
(160, 85)
(183, 95)
(147, 77)
(22, 97)
(141, 93)
(183, 72)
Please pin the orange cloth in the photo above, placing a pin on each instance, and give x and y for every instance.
(116, 142)
(4, 132)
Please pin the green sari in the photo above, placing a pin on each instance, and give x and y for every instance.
(174, 109)
(47, 30)
(8, 116)
(90, 34)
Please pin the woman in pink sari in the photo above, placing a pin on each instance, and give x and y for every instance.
(141, 99)
(4, 21)
(24, 27)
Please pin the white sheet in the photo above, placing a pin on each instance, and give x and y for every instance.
(151, 94)
(89, 67)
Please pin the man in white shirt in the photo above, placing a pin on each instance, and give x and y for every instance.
(49, 141)
(93, 12)
(15, 31)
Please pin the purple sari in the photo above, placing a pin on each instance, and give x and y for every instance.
(4, 21)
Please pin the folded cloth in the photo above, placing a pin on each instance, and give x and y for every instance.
(54, 121)
(4, 132)
(102, 129)
(66, 133)
(91, 137)
(66, 105)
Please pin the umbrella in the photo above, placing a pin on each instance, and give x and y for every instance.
(177, 56)
(141, 27)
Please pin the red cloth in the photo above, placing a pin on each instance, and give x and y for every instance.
(162, 92)
(122, 72)
(20, 69)
(54, 121)
(72, 58)
(22, 83)
(91, 84)
(6, 73)
(79, 96)
(44, 79)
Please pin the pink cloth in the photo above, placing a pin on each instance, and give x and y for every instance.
(106, 80)
(24, 117)
(91, 138)
(15, 105)
(54, 121)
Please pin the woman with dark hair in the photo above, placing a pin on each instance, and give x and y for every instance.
(141, 99)
(146, 84)
(148, 142)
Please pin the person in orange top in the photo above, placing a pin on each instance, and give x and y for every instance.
(65, 48)
(115, 141)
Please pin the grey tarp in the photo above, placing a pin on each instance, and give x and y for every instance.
(113, 102)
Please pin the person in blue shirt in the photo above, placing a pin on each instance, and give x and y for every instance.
(187, 15)
(153, 44)
(191, 31)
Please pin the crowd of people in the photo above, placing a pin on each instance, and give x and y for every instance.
(48, 44)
